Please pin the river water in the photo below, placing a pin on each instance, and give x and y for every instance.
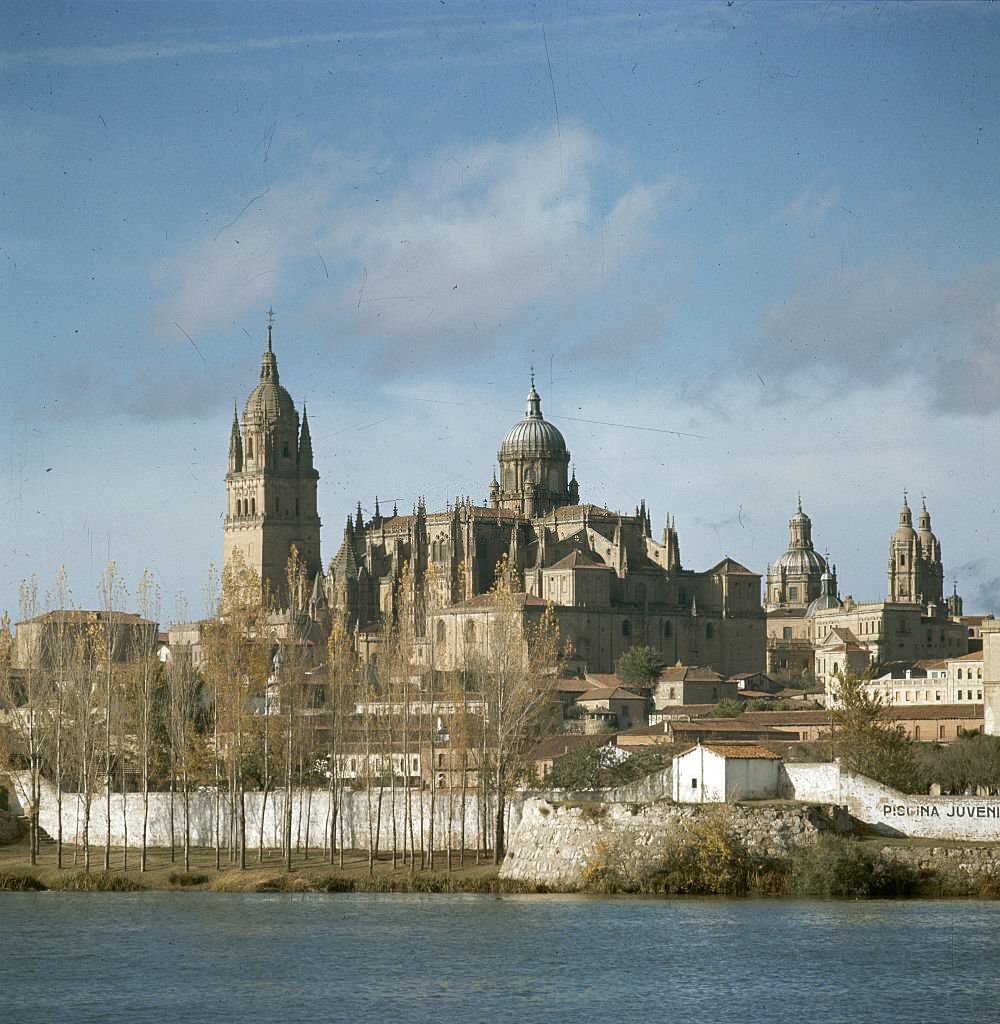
(207, 957)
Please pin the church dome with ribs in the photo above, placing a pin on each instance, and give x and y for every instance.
(532, 435)
(269, 402)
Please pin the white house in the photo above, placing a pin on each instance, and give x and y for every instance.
(722, 772)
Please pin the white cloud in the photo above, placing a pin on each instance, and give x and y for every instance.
(889, 323)
(458, 247)
(812, 205)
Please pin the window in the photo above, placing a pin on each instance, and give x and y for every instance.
(253, 506)
(694, 783)
(277, 504)
(470, 632)
(440, 631)
(249, 447)
(786, 633)
(626, 628)
(666, 629)
(940, 732)
(916, 732)
(284, 448)
(296, 506)
(793, 593)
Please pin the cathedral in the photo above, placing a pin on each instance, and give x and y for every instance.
(611, 584)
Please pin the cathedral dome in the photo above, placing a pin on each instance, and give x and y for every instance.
(269, 402)
(533, 435)
(801, 562)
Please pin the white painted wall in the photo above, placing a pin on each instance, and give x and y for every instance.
(703, 776)
(892, 812)
(310, 816)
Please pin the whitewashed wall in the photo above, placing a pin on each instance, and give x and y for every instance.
(895, 813)
(310, 814)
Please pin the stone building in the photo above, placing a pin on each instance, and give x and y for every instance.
(47, 641)
(271, 485)
(811, 631)
(612, 585)
(799, 583)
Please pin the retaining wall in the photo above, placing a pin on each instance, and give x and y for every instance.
(555, 843)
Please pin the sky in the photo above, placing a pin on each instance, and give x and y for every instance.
(750, 249)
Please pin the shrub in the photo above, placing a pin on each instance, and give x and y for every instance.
(20, 883)
(841, 866)
(701, 855)
(98, 881)
(186, 878)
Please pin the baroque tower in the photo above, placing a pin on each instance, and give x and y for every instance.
(271, 484)
(916, 573)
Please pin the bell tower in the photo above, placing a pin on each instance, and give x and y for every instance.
(271, 484)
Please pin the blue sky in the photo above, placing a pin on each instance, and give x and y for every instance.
(751, 250)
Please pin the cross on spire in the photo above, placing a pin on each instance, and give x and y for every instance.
(270, 324)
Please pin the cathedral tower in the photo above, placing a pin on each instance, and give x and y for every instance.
(534, 466)
(271, 484)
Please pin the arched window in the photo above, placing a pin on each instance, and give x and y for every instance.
(440, 631)
(249, 447)
(253, 506)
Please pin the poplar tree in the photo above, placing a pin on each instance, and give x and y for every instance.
(516, 665)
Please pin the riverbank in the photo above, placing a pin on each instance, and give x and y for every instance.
(833, 868)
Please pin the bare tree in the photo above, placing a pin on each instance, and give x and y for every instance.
(516, 664)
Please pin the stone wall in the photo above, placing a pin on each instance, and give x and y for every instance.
(310, 817)
(556, 843)
(966, 868)
(651, 787)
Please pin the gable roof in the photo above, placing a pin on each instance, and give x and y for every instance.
(577, 559)
(688, 674)
(731, 567)
(742, 751)
(609, 693)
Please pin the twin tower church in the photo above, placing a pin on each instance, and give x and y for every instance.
(612, 584)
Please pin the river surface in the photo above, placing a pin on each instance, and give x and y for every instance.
(219, 957)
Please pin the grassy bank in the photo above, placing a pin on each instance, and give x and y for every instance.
(314, 874)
